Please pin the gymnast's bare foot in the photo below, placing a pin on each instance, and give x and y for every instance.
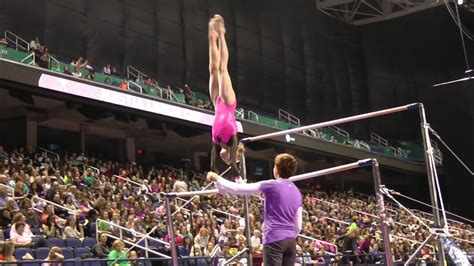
(212, 32)
(219, 24)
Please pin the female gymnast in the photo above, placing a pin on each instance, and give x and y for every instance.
(283, 209)
(224, 128)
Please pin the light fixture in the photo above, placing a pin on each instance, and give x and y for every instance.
(288, 138)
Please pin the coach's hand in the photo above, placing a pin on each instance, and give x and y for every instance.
(212, 177)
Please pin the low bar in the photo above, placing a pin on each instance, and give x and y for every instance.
(192, 193)
(332, 122)
(332, 170)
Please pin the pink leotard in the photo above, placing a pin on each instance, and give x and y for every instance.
(225, 125)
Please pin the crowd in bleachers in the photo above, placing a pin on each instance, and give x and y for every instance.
(105, 195)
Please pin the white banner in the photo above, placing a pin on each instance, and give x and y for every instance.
(126, 100)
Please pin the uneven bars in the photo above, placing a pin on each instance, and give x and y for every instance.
(332, 170)
(332, 122)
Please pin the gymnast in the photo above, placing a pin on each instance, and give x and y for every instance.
(224, 128)
(282, 210)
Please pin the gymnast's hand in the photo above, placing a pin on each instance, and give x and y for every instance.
(212, 177)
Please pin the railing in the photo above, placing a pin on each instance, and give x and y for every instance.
(133, 73)
(321, 241)
(402, 153)
(12, 190)
(85, 166)
(30, 56)
(340, 131)
(56, 217)
(361, 145)
(70, 211)
(250, 114)
(180, 170)
(172, 95)
(17, 41)
(240, 113)
(438, 156)
(50, 152)
(284, 115)
(335, 220)
(226, 213)
(312, 133)
(378, 139)
(128, 180)
(134, 86)
(235, 256)
(53, 60)
(142, 236)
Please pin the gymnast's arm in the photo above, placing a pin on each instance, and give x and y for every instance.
(225, 185)
(299, 220)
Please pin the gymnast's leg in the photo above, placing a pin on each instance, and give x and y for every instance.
(226, 91)
(214, 61)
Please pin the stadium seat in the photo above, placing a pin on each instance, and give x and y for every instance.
(36, 231)
(20, 252)
(41, 253)
(73, 242)
(89, 242)
(79, 251)
(55, 241)
(92, 262)
(67, 253)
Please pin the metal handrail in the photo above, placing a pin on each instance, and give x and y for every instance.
(402, 153)
(10, 188)
(15, 41)
(147, 250)
(240, 113)
(71, 211)
(48, 151)
(223, 212)
(41, 211)
(51, 58)
(378, 139)
(340, 131)
(134, 84)
(250, 113)
(321, 241)
(361, 144)
(284, 115)
(171, 94)
(84, 166)
(138, 234)
(138, 72)
(336, 220)
(235, 256)
(312, 133)
(129, 180)
(32, 55)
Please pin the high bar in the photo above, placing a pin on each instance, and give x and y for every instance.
(333, 122)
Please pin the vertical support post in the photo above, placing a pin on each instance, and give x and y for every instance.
(381, 213)
(243, 172)
(169, 219)
(430, 164)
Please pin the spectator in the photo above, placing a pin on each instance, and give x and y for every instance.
(71, 230)
(44, 58)
(179, 185)
(55, 257)
(66, 71)
(188, 94)
(90, 76)
(123, 85)
(35, 44)
(8, 253)
(101, 250)
(118, 252)
(107, 81)
(76, 73)
(106, 70)
(185, 249)
(22, 238)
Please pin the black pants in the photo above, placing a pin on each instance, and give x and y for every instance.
(280, 253)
